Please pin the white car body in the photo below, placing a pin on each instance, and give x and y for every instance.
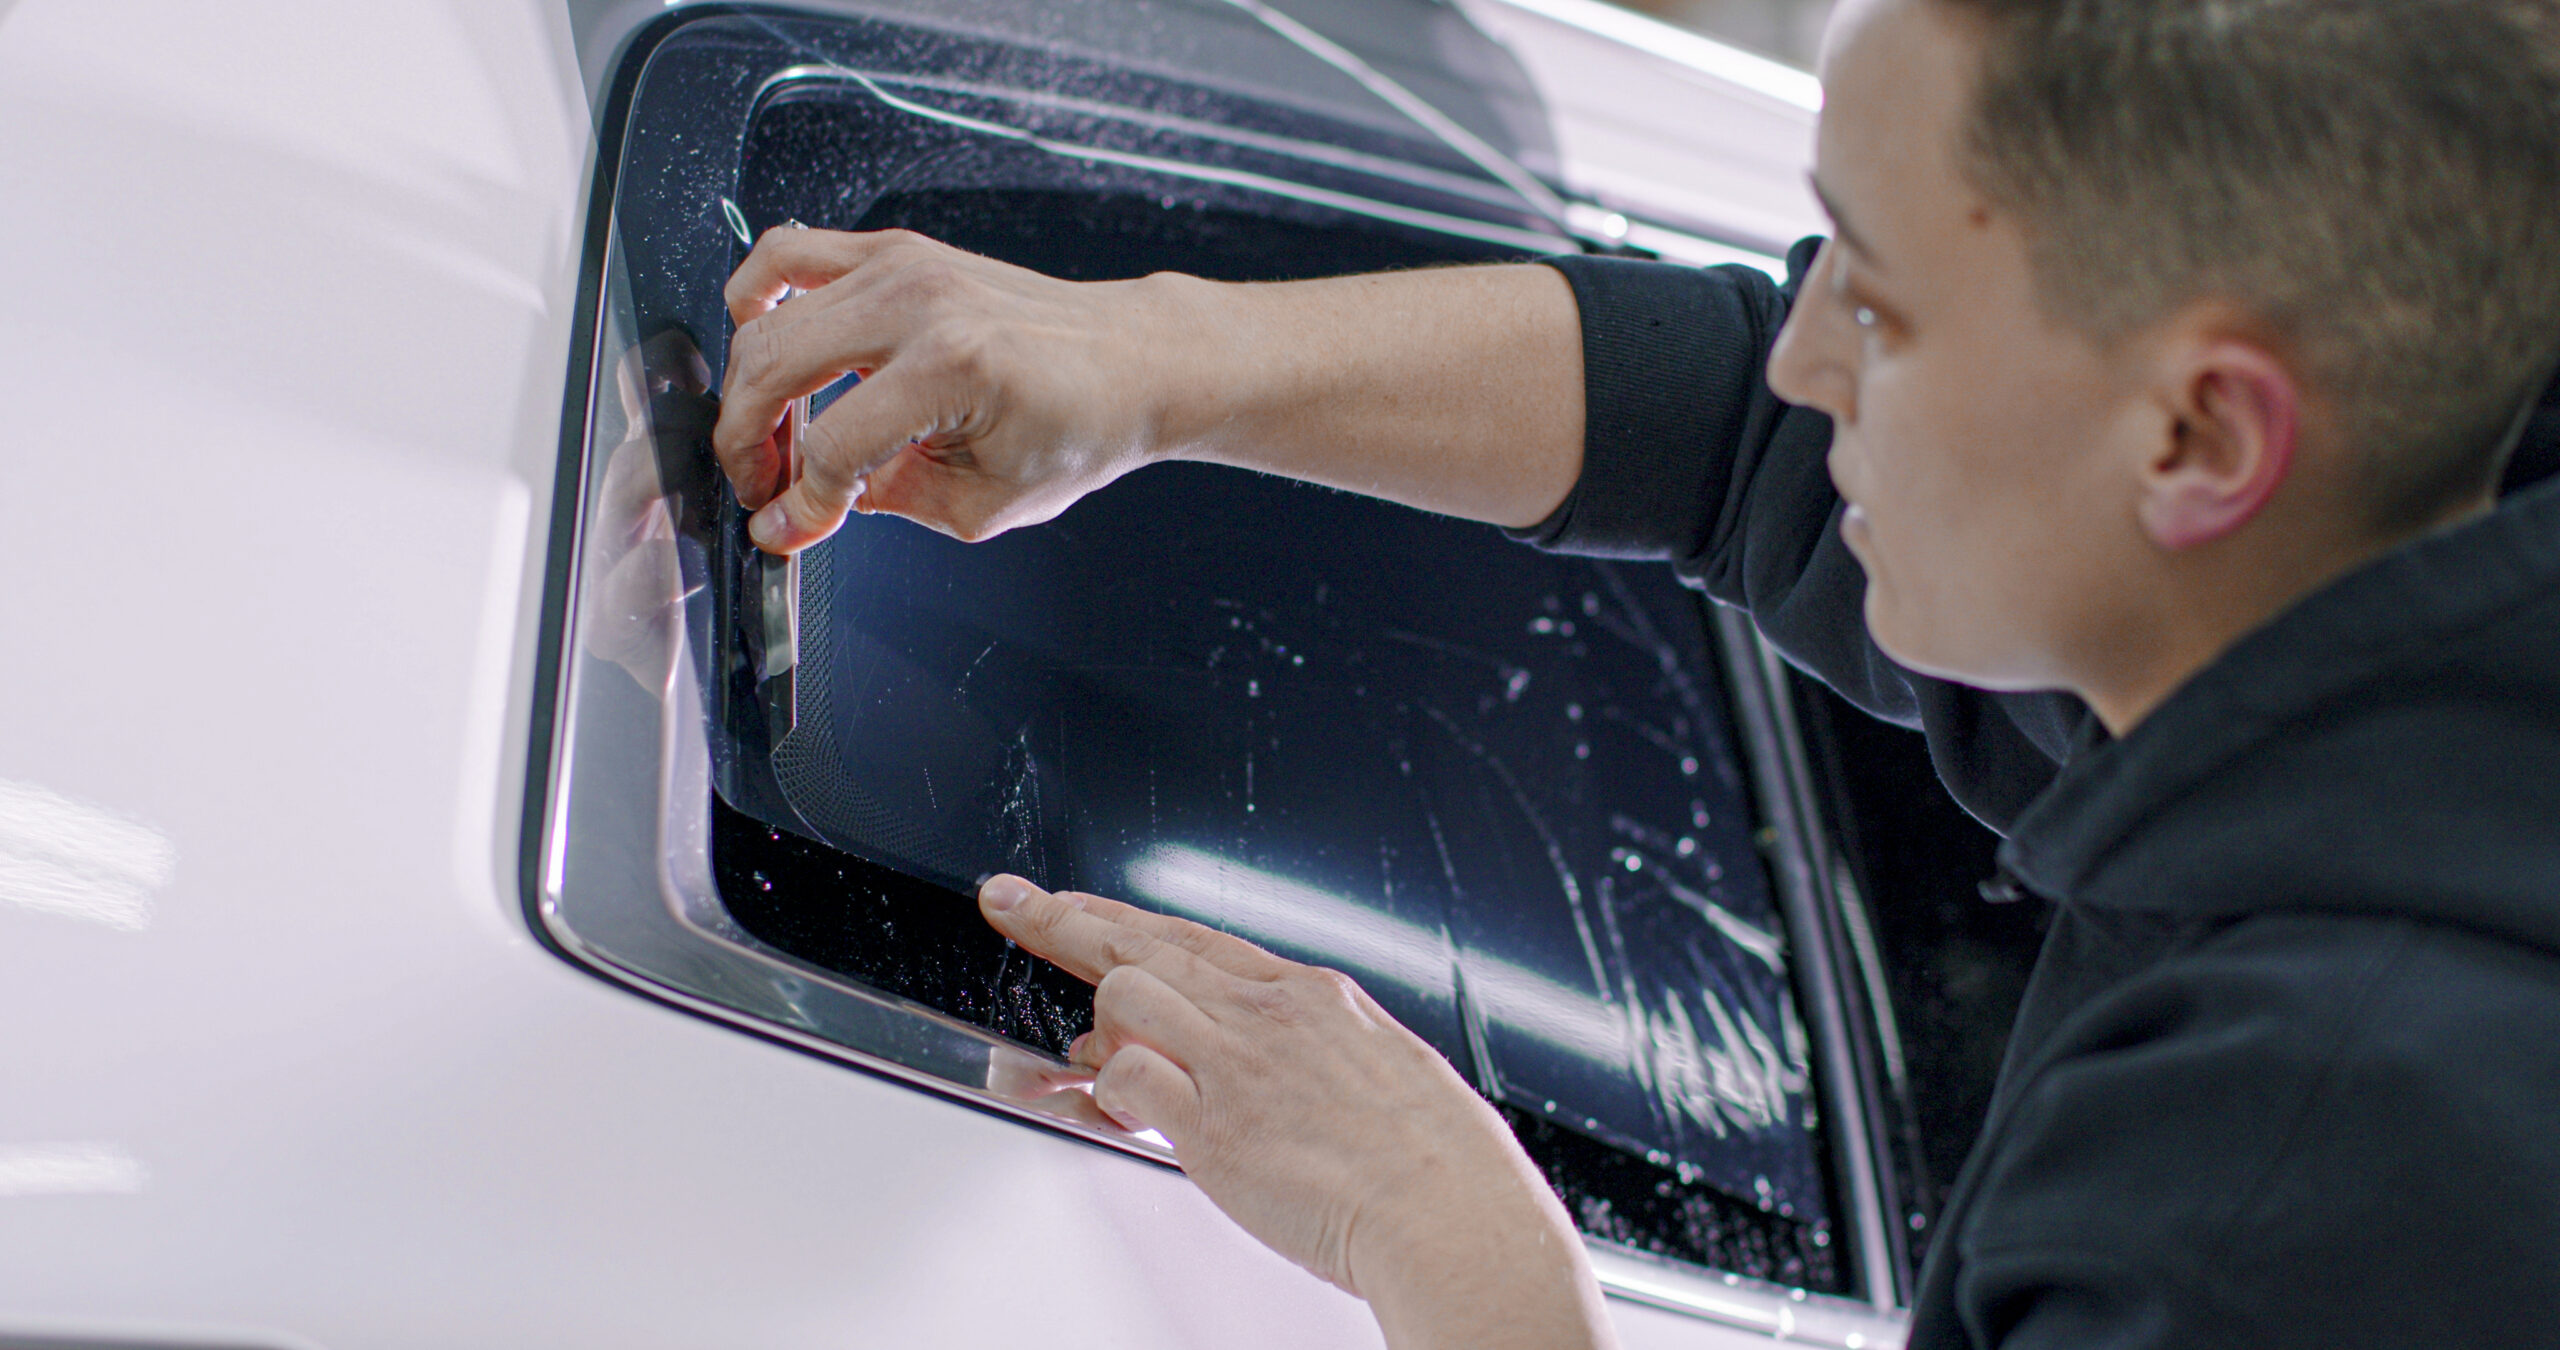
(290, 296)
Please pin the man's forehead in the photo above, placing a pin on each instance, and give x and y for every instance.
(1895, 75)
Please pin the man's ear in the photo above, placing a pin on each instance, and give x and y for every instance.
(2237, 415)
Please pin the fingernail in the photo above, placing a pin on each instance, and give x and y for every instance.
(769, 526)
(1004, 893)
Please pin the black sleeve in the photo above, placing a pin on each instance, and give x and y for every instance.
(1689, 457)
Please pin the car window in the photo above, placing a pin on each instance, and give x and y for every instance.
(1504, 790)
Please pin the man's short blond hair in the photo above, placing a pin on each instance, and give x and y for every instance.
(2376, 181)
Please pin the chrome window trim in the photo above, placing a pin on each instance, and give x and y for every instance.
(679, 946)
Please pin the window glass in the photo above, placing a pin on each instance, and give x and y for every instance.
(1500, 788)
(1495, 786)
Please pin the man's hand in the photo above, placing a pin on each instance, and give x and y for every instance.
(994, 397)
(1318, 1123)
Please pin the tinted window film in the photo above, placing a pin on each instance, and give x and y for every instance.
(1495, 786)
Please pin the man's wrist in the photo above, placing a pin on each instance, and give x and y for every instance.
(1185, 369)
(1497, 1263)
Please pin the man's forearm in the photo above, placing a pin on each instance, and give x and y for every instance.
(1457, 390)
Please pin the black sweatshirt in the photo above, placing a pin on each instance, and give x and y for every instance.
(2288, 1069)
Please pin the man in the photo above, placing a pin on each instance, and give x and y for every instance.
(2164, 363)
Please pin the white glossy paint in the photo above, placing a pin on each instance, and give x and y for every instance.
(282, 345)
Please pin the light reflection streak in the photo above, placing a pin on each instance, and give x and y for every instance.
(68, 1169)
(1728, 1074)
(59, 856)
(1697, 51)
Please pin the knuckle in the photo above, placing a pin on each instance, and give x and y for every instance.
(903, 242)
(961, 355)
(1127, 947)
(1338, 989)
(1279, 1000)
(922, 277)
(1197, 939)
(755, 350)
(826, 463)
(1113, 993)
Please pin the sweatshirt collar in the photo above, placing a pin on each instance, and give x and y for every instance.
(2413, 604)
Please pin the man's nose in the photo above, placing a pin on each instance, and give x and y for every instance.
(1812, 363)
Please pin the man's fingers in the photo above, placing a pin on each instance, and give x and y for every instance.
(785, 259)
(1226, 951)
(1133, 1007)
(871, 423)
(797, 350)
(1141, 1089)
(1085, 945)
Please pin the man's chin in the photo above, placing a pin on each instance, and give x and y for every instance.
(1907, 639)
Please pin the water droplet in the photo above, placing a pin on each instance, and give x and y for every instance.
(1591, 603)
(1698, 815)
(1253, 689)
(1685, 847)
(1689, 766)
(1573, 712)
(1582, 749)
(1565, 628)
(1542, 624)
(1297, 660)
(1633, 861)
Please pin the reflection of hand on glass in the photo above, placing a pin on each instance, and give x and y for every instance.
(1045, 1085)
(634, 574)
(1330, 1132)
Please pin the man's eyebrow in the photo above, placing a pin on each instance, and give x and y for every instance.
(1840, 227)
